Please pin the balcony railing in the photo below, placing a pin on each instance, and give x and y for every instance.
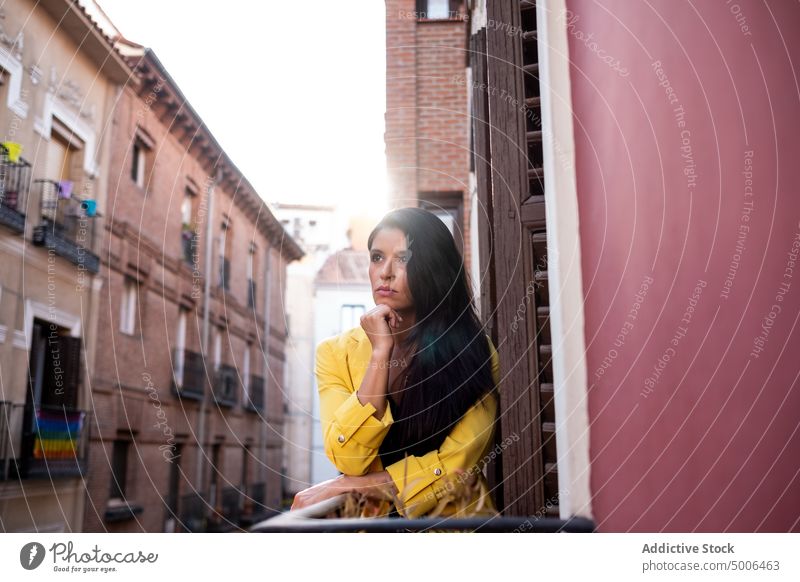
(192, 512)
(15, 179)
(189, 241)
(66, 224)
(190, 381)
(44, 442)
(255, 394)
(225, 385)
(251, 293)
(224, 274)
(314, 518)
(230, 511)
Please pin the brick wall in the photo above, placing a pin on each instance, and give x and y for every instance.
(427, 118)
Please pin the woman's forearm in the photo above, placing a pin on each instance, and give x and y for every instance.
(376, 484)
(375, 384)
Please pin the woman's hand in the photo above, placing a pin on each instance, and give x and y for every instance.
(376, 323)
(322, 491)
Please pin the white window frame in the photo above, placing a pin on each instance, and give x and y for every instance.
(570, 376)
(246, 373)
(139, 151)
(354, 312)
(180, 346)
(217, 348)
(127, 315)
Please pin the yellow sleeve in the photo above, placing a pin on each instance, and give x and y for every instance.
(351, 434)
(421, 481)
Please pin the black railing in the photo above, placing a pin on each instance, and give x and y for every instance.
(66, 224)
(15, 179)
(54, 443)
(224, 274)
(193, 511)
(251, 293)
(225, 384)
(255, 510)
(313, 519)
(255, 394)
(189, 241)
(190, 382)
(11, 421)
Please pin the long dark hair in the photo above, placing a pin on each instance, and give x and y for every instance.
(451, 367)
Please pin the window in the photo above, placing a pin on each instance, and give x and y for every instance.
(180, 347)
(225, 241)
(138, 162)
(448, 207)
(188, 233)
(218, 348)
(351, 316)
(251, 283)
(437, 9)
(246, 373)
(127, 316)
(119, 470)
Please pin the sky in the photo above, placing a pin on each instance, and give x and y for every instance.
(293, 91)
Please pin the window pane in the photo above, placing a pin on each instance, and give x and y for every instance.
(351, 316)
(448, 220)
(438, 9)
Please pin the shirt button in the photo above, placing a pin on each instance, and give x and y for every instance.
(437, 471)
(341, 438)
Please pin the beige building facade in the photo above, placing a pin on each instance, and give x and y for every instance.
(60, 78)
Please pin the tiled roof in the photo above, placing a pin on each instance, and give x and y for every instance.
(345, 267)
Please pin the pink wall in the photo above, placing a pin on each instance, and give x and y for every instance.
(710, 442)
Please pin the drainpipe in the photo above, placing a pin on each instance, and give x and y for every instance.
(201, 421)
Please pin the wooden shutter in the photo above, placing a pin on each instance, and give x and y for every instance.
(507, 137)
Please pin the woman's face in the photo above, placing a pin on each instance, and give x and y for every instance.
(388, 262)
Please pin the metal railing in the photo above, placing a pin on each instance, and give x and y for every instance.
(191, 250)
(15, 179)
(226, 382)
(313, 519)
(191, 382)
(66, 224)
(42, 442)
(255, 394)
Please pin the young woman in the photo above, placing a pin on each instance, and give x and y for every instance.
(407, 399)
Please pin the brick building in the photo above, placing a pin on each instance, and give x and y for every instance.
(427, 119)
(175, 368)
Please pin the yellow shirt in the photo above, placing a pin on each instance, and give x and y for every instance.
(352, 435)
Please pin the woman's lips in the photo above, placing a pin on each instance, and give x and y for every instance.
(385, 292)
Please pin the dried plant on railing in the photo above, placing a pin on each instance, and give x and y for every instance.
(465, 495)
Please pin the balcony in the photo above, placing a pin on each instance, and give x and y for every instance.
(66, 224)
(189, 380)
(224, 274)
(228, 515)
(190, 244)
(329, 516)
(251, 293)
(192, 510)
(15, 178)
(255, 394)
(43, 443)
(225, 386)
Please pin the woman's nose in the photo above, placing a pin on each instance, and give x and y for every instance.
(386, 270)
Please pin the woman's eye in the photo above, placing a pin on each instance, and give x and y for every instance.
(375, 258)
